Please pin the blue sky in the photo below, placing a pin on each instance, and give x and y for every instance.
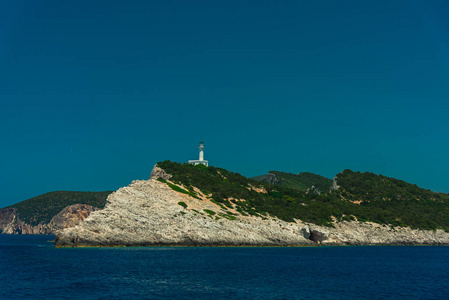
(94, 93)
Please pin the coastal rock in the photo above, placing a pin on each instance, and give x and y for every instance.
(368, 233)
(7, 216)
(10, 222)
(318, 234)
(305, 231)
(70, 216)
(151, 213)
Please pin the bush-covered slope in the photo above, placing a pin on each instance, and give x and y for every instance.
(370, 187)
(42, 208)
(389, 200)
(407, 204)
(302, 181)
(225, 187)
(260, 178)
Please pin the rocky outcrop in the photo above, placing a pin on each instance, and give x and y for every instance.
(273, 179)
(71, 216)
(159, 173)
(367, 233)
(150, 213)
(7, 216)
(10, 222)
(314, 190)
(334, 185)
(319, 234)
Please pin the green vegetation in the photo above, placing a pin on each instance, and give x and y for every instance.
(227, 216)
(260, 178)
(210, 212)
(177, 188)
(391, 201)
(383, 200)
(302, 181)
(224, 186)
(219, 183)
(42, 208)
(370, 187)
(183, 204)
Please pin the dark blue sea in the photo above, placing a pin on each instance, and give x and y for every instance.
(31, 268)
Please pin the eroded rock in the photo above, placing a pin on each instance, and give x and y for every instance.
(149, 213)
(10, 222)
(159, 173)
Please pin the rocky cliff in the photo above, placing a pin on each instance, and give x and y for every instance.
(10, 222)
(152, 213)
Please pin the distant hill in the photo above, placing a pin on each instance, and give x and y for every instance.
(43, 208)
(302, 181)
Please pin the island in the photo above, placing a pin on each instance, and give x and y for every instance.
(198, 205)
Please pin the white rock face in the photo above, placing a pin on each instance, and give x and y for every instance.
(358, 233)
(148, 213)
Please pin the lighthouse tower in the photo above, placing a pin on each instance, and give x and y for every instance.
(201, 158)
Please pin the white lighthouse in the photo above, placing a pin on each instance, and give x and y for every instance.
(201, 158)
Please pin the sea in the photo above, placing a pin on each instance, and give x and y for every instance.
(31, 268)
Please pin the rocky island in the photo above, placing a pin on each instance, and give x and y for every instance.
(186, 205)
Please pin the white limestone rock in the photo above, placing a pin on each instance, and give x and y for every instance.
(159, 173)
(148, 213)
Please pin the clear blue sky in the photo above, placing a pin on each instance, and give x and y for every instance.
(94, 93)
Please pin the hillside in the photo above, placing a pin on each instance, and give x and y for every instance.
(43, 208)
(361, 196)
(302, 181)
(388, 200)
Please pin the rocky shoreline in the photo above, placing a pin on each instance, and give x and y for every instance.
(10, 222)
(150, 213)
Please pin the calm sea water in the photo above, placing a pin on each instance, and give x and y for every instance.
(30, 268)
